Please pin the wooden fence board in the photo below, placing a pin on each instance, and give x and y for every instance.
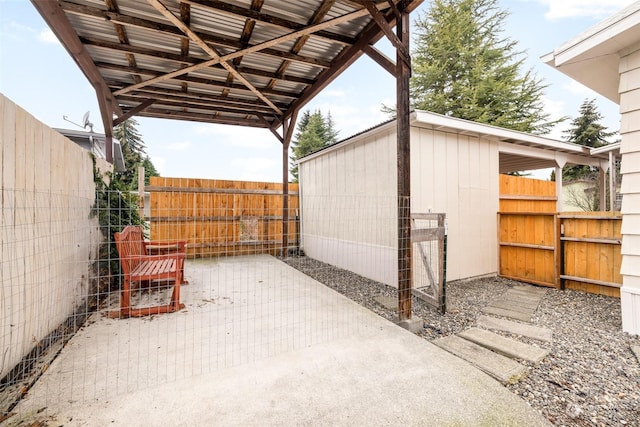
(221, 217)
(586, 257)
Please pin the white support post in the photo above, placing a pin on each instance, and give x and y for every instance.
(602, 186)
(612, 181)
(559, 202)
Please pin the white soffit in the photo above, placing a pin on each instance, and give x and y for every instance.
(592, 58)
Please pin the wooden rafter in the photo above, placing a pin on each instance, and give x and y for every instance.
(317, 17)
(256, 48)
(248, 13)
(121, 31)
(211, 51)
(247, 31)
(185, 16)
(129, 21)
(243, 70)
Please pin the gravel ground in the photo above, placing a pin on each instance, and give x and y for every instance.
(590, 378)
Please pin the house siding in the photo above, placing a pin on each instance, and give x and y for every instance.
(630, 190)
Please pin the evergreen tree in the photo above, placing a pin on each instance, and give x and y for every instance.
(463, 67)
(586, 130)
(314, 132)
(133, 151)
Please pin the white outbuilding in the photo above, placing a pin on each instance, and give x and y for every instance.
(348, 191)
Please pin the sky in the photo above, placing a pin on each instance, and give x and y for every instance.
(38, 74)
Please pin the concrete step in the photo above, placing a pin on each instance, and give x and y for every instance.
(505, 370)
(513, 314)
(530, 331)
(505, 346)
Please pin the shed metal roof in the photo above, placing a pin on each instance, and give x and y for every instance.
(518, 151)
(240, 62)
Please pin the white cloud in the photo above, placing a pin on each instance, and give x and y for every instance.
(598, 9)
(47, 36)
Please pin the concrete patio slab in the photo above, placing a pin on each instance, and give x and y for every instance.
(263, 344)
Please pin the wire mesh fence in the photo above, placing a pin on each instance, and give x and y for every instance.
(65, 338)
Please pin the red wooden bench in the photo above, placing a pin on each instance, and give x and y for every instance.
(140, 267)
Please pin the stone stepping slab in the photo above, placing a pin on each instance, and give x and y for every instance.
(524, 316)
(517, 328)
(505, 346)
(500, 367)
(517, 303)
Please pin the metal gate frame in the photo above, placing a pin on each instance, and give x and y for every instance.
(433, 292)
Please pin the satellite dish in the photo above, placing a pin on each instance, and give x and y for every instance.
(85, 120)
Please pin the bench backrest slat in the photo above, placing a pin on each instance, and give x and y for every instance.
(130, 244)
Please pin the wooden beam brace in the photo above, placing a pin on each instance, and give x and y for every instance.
(382, 60)
(141, 107)
(388, 31)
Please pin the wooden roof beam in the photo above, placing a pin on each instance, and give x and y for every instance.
(211, 51)
(56, 19)
(126, 20)
(116, 86)
(257, 48)
(242, 12)
(317, 17)
(121, 31)
(369, 36)
(141, 107)
(168, 94)
(177, 58)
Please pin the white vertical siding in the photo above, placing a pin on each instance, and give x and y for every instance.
(458, 175)
(348, 199)
(47, 235)
(630, 170)
(348, 207)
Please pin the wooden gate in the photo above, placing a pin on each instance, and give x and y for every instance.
(591, 245)
(528, 231)
(429, 245)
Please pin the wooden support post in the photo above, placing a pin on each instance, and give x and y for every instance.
(285, 192)
(141, 191)
(287, 134)
(404, 171)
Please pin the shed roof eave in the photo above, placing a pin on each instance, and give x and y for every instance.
(592, 58)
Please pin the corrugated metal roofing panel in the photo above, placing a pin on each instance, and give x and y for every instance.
(281, 72)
